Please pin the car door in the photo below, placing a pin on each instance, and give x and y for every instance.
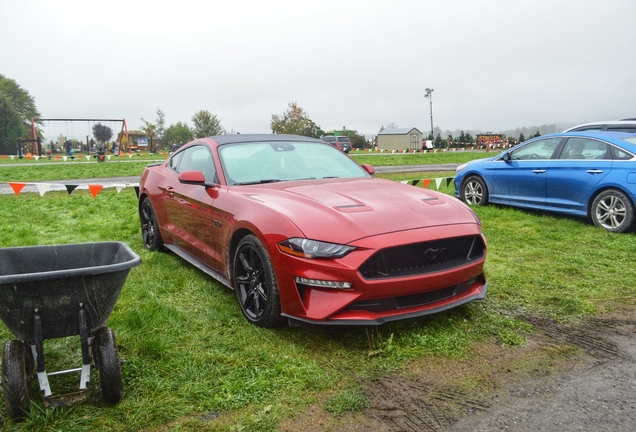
(521, 178)
(582, 164)
(190, 206)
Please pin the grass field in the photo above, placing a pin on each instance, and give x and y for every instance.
(194, 363)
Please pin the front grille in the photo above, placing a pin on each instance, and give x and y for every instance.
(413, 300)
(423, 258)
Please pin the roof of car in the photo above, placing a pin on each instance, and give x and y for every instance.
(626, 122)
(245, 138)
(606, 135)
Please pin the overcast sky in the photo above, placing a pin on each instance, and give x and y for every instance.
(493, 64)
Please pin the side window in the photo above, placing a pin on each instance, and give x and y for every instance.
(541, 149)
(618, 154)
(198, 158)
(174, 161)
(584, 148)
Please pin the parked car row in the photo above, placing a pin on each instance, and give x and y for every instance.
(302, 233)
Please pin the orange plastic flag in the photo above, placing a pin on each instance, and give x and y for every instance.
(426, 182)
(17, 187)
(95, 189)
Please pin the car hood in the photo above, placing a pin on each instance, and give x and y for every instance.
(347, 210)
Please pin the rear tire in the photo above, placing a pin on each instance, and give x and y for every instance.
(107, 362)
(150, 233)
(17, 368)
(474, 191)
(613, 211)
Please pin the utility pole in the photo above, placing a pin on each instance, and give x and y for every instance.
(429, 95)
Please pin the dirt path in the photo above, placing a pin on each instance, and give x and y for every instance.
(594, 390)
(567, 378)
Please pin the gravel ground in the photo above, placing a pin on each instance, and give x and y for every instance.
(598, 392)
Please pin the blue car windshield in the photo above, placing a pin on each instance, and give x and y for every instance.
(265, 162)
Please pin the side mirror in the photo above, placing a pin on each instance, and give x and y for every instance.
(369, 168)
(192, 177)
(506, 157)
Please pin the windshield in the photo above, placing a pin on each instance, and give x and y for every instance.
(252, 163)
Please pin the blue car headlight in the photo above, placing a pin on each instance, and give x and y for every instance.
(307, 248)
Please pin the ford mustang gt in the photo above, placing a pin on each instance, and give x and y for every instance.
(302, 233)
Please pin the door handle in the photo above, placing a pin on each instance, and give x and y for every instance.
(594, 171)
(538, 171)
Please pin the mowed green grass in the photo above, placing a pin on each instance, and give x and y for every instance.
(194, 363)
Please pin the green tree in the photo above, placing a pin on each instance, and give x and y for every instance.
(149, 130)
(102, 133)
(11, 127)
(206, 124)
(161, 123)
(179, 133)
(537, 134)
(358, 141)
(22, 104)
(438, 141)
(521, 138)
(295, 121)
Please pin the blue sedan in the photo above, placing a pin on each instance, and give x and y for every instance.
(590, 174)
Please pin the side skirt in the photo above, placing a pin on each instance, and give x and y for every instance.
(198, 264)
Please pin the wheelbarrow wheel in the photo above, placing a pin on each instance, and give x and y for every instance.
(107, 362)
(17, 368)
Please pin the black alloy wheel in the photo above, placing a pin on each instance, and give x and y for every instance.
(149, 227)
(255, 284)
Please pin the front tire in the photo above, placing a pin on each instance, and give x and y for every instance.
(107, 362)
(17, 367)
(149, 227)
(255, 284)
(474, 191)
(613, 211)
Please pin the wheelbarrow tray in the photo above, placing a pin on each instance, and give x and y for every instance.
(55, 280)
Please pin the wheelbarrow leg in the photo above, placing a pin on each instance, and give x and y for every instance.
(38, 355)
(85, 340)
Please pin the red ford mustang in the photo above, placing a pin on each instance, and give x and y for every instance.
(301, 232)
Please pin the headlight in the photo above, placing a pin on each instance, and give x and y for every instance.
(306, 248)
(461, 167)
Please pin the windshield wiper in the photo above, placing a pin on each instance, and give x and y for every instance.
(257, 182)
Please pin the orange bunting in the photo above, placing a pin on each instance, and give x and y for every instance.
(426, 183)
(95, 189)
(17, 187)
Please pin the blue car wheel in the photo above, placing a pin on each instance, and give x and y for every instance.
(613, 211)
(474, 191)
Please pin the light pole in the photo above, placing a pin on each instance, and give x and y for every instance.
(429, 95)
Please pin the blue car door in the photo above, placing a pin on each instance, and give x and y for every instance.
(582, 164)
(521, 179)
